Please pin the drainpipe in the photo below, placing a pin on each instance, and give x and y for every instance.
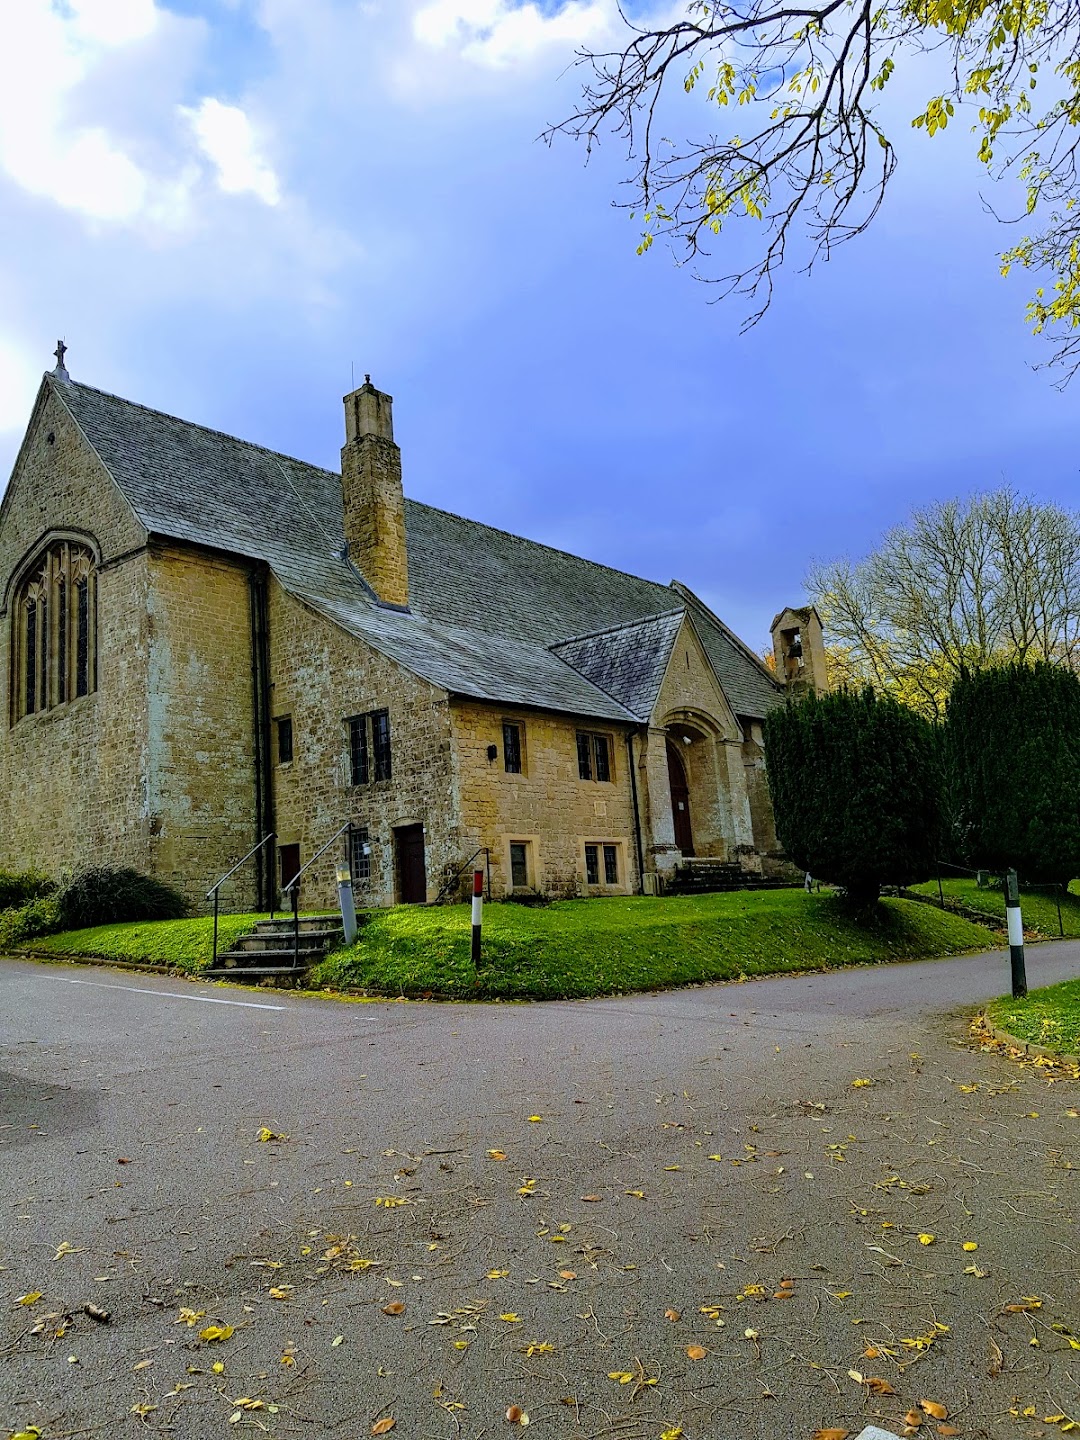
(637, 815)
(265, 859)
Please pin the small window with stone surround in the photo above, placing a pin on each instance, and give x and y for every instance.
(604, 864)
(369, 747)
(513, 747)
(594, 756)
(54, 631)
(284, 739)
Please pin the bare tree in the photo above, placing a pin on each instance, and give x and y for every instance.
(810, 158)
(963, 584)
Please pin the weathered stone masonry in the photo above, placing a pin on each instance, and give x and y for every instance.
(237, 589)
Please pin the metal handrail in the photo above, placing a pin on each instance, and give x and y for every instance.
(215, 892)
(292, 889)
(483, 850)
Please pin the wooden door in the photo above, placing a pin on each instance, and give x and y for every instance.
(289, 861)
(680, 801)
(411, 872)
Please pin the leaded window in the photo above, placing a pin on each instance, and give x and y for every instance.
(55, 621)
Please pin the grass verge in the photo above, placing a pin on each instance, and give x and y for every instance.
(1050, 1017)
(1038, 907)
(578, 948)
(181, 944)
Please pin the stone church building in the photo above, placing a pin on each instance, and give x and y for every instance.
(203, 642)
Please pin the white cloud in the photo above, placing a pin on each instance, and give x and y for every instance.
(500, 32)
(227, 139)
(80, 125)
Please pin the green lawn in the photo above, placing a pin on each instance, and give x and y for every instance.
(1049, 1017)
(577, 948)
(1037, 907)
(182, 944)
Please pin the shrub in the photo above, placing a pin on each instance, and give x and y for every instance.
(855, 784)
(1012, 746)
(37, 917)
(105, 895)
(18, 888)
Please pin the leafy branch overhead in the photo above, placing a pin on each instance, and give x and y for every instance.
(787, 99)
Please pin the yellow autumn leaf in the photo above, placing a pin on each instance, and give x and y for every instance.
(539, 1347)
(496, 1154)
(858, 1084)
(337, 1340)
(218, 1367)
(535, 1119)
(675, 1433)
(511, 1318)
(382, 1427)
(390, 1202)
(971, 1245)
(264, 1135)
(216, 1332)
(281, 1292)
(497, 1274)
(622, 1376)
(33, 1433)
(143, 1410)
(65, 1248)
(925, 1239)
(189, 1317)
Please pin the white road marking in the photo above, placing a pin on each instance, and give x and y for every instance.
(172, 995)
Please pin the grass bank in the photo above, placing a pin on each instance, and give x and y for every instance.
(1049, 1017)
(578, 948)
(181, 944)
(1038, 907)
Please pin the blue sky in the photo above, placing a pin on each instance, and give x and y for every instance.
(225, 205)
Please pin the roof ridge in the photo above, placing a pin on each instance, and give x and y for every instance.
(540, 544)
(206, 429)
(622, 625)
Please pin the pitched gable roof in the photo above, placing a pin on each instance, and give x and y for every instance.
(627, 661)
(486, 607)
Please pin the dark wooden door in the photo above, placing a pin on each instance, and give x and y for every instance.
(411, 873)
(289, 860)
(680, 801)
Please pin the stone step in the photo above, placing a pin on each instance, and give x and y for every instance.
(262, 972)
(309, 939)
(246, 959)
(307, 922)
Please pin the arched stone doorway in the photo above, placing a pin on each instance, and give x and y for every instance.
(680, 800)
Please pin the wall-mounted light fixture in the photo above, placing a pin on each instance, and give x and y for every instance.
(492, 753)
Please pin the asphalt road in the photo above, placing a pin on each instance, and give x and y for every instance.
(693, 1151)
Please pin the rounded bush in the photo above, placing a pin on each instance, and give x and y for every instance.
(107, 895)
(19, 888)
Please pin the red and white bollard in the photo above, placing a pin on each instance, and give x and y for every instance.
(477, 913)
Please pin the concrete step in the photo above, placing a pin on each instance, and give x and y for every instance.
(261, 972)
(247, 959)
(309, 939)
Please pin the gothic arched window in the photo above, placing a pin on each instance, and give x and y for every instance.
(55, 639)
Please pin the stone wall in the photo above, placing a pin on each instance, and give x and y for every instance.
(547, 806)
(320, 676)
(72, 779)
(200, 776)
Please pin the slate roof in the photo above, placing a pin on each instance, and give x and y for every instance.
(627, 661)
(486, 607)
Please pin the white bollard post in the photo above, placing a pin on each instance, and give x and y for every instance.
(477, 913)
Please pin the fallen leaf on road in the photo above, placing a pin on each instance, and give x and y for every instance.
(672, 1315)
(934, 1409)
(971, 1245)
(216, 1332)
(31, 1298)
(496, 1154)
(914, 1418)
(143, 1410)
(337, 1340)
(696, 1352)
(396, 1307)
(264, 1135)
(878, 1386)
(830, 1435)
(858, 1084)
(511, 1318)
(592, 1199)
(142, 1365)
(535, 1119)
(66, 1248)
(497, 1274)
(281, 1292)
(926, 1239)
(382, 1427)
(516, 1415)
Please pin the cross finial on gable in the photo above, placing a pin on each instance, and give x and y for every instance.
(61, 371)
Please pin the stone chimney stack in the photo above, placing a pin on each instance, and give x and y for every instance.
(373, 498)
(799, 648)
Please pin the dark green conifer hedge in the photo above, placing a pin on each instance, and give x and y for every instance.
(1012, 746)
(855, 785)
